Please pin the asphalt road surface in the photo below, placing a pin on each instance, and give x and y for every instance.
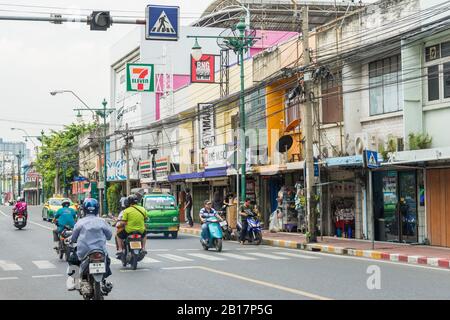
(180, 269)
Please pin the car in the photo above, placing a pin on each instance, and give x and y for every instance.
(163, 214)
(52, 205)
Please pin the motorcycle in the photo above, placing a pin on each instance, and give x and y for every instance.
(254, 233)
(226, 229)
(215, 235)
(90, 279)
(133, 250)
(63, 247)
(20, 219)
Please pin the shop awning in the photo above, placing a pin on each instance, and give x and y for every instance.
(184, 176)
(435, 155)
(216, 172)
(350, 161)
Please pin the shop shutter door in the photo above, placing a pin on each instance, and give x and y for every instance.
(199, 195)
(438, 206)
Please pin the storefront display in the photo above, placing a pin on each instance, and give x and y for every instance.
(343, 208)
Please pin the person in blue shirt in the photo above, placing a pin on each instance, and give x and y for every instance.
(65, 216)
(206, 213)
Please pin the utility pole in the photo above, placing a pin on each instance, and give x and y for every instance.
(309, 155)
(19, 158)
(128, 137)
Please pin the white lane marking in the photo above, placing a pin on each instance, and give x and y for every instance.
(245, 249)
(3, 213)
(259, 282)
(9, 266)
(236, 256)
(271, 248)
(44, 264)
(29, 221)
(174, 257)
(49, 276)
(178, 268)
(296, 255)
(158, 250)
(8, 278)
(137, 270)
(189, 249)
(149, 260)
(115, 261)
(206, 257)
(269, 256)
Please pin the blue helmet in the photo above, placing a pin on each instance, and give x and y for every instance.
(91, 206)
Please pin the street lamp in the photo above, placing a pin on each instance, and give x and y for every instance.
(103, 112)
(239, 43)
(26, 135)
(54, 93)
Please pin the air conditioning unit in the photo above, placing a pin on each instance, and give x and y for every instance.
(365, 141)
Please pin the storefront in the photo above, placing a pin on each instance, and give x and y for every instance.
(396, 201)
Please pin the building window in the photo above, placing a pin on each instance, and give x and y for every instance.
(385, 85)
(292, 101)
(437, 66)
(332, 110)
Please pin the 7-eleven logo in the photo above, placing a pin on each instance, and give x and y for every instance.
(140, 77)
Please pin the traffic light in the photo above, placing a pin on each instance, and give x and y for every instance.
(100, 20)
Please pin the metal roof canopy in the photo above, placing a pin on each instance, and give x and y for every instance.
(274, 14)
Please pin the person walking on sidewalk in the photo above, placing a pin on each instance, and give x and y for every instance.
(188, 207)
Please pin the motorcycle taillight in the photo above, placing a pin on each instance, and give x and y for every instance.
(97, 256)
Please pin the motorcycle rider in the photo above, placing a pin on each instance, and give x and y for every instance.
(20, 206)
(205, 213)
(134, 221)
(120, 225)
(245, 211)
(65, 216)
(91, 233)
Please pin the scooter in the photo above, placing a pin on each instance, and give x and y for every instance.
(133, 250)
(20, 220)
(254, 233)
(64, 248)
(226, 230)
(215, 235)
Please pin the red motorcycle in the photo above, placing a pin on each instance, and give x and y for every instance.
(20, 216)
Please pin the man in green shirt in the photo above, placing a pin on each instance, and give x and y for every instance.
(134, 220)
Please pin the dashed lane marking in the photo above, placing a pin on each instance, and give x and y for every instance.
(44, 264)
(206, 257)
(236, 256)
(174, 257)
(48, 276)
(269, 256)
(149, 260)
(9, 266)
(8, 278)
(296, 255)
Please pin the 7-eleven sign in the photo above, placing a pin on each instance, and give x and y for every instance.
(140, 77)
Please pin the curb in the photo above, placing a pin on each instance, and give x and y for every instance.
(375, 255)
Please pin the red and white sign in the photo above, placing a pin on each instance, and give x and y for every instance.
(203, 70)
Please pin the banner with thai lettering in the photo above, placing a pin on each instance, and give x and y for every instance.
(203, 70)
(206, 118)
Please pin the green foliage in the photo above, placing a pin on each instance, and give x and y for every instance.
(419, 141)
(58, 152)
(391, 146)
(113, 196)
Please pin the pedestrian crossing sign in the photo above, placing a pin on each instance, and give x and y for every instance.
(371, 159)
(162, 22)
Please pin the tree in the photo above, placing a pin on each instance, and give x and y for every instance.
(59, 156)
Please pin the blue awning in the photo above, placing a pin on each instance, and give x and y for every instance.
(351, 161)
(184, 176)
(216, 172)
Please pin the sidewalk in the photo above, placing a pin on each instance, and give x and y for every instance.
(406, 253)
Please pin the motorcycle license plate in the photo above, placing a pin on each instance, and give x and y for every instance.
(135, 245)
(223, 223)
(95, 268)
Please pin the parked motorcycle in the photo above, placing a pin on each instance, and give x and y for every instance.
(20, 219)
(215, 235)
(226, 229)
(133, 250)
(254, 234)
(64, 249)
(89, 277)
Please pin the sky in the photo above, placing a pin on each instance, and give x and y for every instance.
(39, 57)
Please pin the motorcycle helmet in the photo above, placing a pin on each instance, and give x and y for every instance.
(91, 206)
(132, 200)
(65, 203)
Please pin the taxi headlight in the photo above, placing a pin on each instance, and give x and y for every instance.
(175, 219)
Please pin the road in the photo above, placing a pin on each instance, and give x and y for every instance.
(180, 269)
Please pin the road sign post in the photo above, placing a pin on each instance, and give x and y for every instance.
(371, 162)
(162, 23)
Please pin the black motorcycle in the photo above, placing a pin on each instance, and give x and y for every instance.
(133, 250)
(254, 231)
(226, 229)
(20, 220)
(64, 249)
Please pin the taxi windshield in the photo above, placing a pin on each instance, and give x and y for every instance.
(152, 203)
(55, 202)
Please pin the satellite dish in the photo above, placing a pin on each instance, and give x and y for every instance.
(291, 126)
(284, 144)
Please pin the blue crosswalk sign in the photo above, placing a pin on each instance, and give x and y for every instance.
(371, 158)
(162, 22)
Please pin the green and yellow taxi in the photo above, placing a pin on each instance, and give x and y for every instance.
(162, 213)
(53, 205)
